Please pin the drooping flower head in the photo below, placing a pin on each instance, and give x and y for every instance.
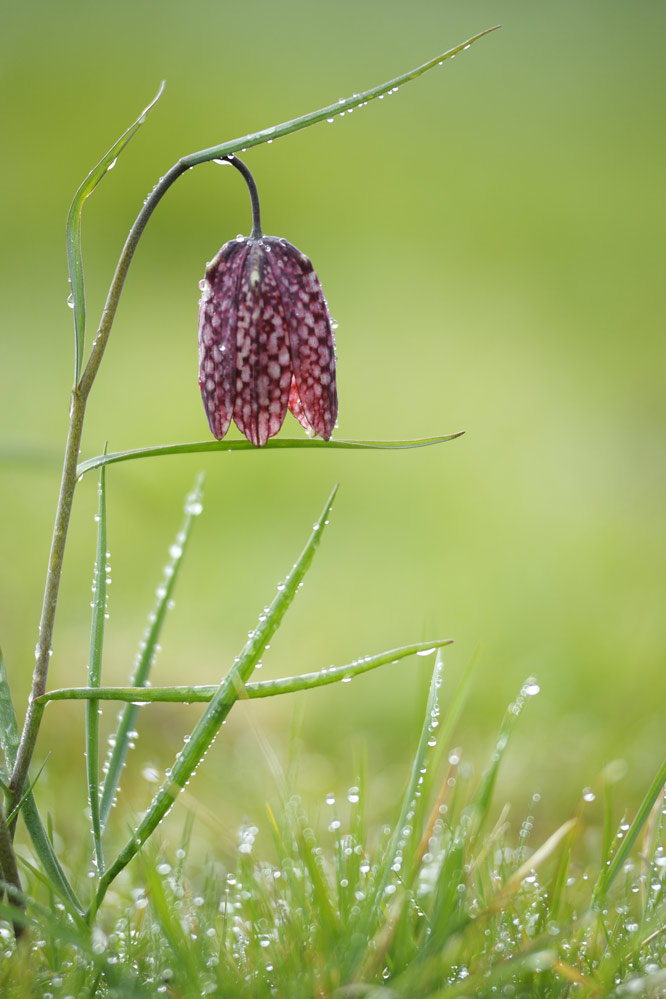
(265, 337)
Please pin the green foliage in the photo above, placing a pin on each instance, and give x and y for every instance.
(462, 914)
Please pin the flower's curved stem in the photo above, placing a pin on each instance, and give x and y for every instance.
(254, 194)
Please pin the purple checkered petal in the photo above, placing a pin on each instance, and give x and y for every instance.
(311, 341)
(263, 363)
(218, 318)
(265, 341)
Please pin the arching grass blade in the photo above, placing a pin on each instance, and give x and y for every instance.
(262, 688)
(74, 255)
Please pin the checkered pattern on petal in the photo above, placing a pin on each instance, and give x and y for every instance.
(218, 317)
(263, 362)
(310, 335)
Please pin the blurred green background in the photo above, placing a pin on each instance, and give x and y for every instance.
(491, 242)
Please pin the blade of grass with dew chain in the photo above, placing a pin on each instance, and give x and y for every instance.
(610, 872)
(449, 721)
(231, 688)
(262, 688)
(73, 233)
(480, 806)
(400, 848)
(95, 670)
(328, 113)
(124, 735)
(168, 920)
(9, 740)
(276, 443)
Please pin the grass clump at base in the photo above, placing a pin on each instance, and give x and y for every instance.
(450, 901)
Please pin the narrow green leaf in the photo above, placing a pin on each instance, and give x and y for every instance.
(43, 846)
(95, 671)
(74, 255)
(449, 722)
(262, 688)
(196, 447)
(399, 851)
(9, 733)
(231, 688)
(481, 803)
(127, 721)
(29, 788)
(163, 912)
(324, 114)
(9, 740)
(610, 872)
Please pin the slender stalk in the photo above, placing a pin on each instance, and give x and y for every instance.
(8, 866)
(95, 672)
(53, 574)
(254, 194)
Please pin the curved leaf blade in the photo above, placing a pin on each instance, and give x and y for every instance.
(262, 688)
(276, 443)
(73, 232)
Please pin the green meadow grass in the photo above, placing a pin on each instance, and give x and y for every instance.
(453, 899)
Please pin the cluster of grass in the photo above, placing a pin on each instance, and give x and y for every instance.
(449, 901)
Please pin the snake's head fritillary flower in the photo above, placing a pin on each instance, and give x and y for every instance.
(265, 338)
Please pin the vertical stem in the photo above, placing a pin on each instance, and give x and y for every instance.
(68, 485)
(53, 575)
(8, 866)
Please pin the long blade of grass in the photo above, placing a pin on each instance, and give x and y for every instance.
(480, 807)
(610, 872)
(9, 740)
(231, 688)
(95, 671)
(9, 733)
(403, 840)
(73, 233)
(325, 114)
(171, 926)
(262, 688)
(449, 721)
(127, 721)
(276, 443)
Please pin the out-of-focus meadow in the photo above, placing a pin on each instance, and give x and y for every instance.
(491, 241)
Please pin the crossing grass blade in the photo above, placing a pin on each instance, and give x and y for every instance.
(231, 688)
(263, 688)
(73, 233)
(9, 740)
(276, 443)
(148, 649)
(95, 671)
